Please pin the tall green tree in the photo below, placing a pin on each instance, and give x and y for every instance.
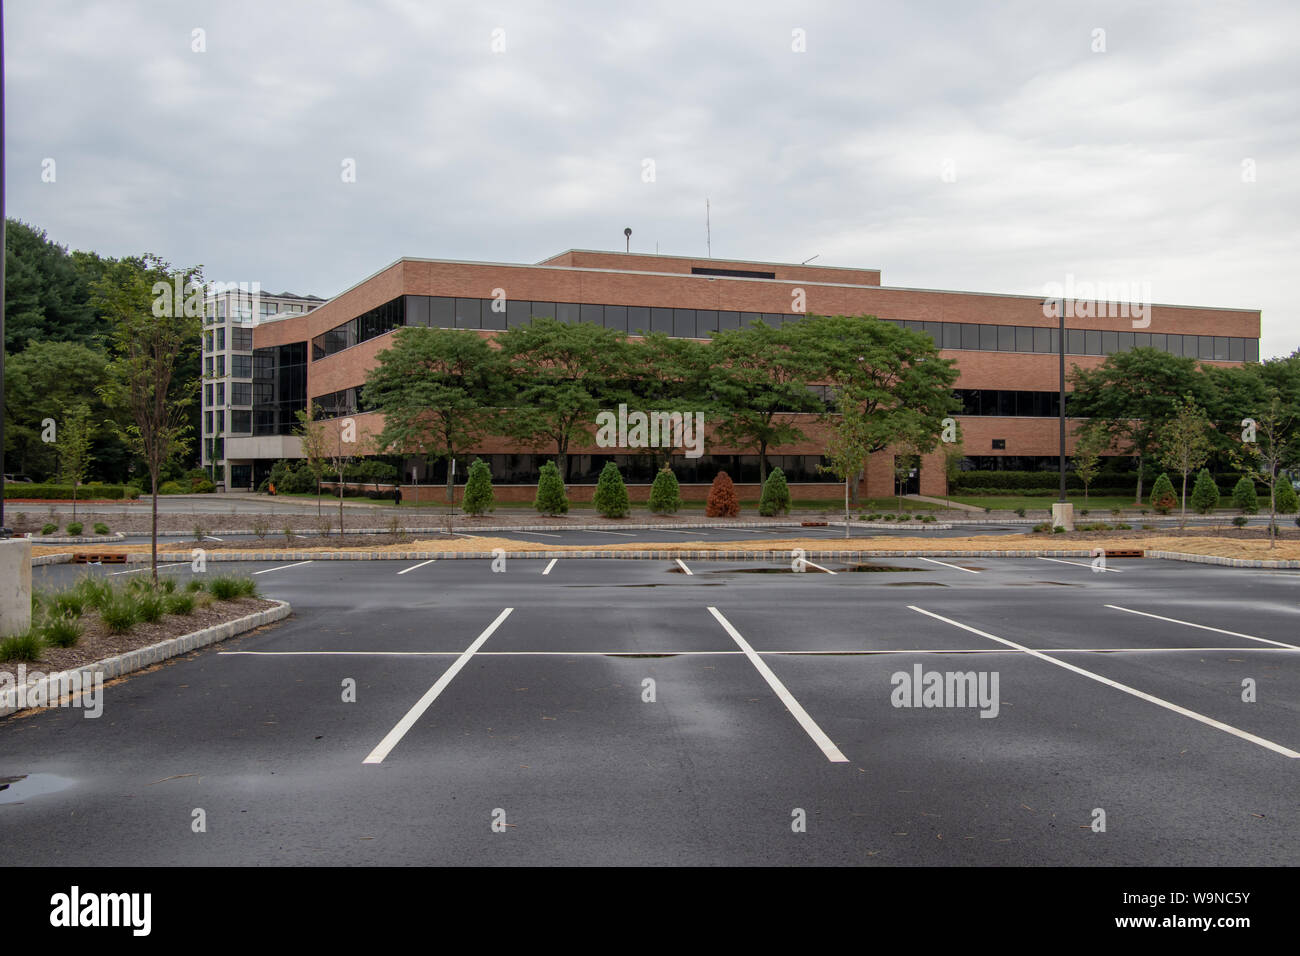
(75, 432)
(1134, 395)
(40, 382)
(561, 375)
(890, 380)
(760, 386)
(1269, 448)
(1185, 445)
(437, 390)
(151, 328)
(47, 297)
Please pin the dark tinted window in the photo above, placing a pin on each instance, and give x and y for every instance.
(951, 335)
(970, 336)
(1043, 340)
(638, 319)
(593, 314)
(1126, 341)
(616, 317)
(1236, 349)
(1206, 346)
(684, 323)
(661, 320)
(705, 322)
(728, 320)
(1006, 338)
(469, 314)
(1074, 342)
(518, 312)
(1109, 343)
(543, 310)
(417, 310)
(567, 312)
(1221, 348)
(442, 312)
(1252, 350)
(1092, 341)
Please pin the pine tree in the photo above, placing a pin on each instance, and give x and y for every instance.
(775, 499)
(611, 494)
(479, 497)
(1163, 497)
(722, 502)
(550, 499)
(1205, 493)
(1244, 498)
(665, 493)
(1288, 503)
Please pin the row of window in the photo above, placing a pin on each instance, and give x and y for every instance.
(1010, 403)
(241, 422)
(279, 388)
(456, 313)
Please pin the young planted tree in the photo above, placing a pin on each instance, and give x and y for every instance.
(775, 499)
(848, 450)
(315, 438)
(1090, 441)
(722, 502)
(665, 493)
(551, 499)
(479, 497)
(1273, 451)
(954, 453)
(73, 440)
(153, 328)
(1205, 493)
(1185, 445)
(611, 499)
(906, 460)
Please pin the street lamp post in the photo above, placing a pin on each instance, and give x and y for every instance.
(1062, 510)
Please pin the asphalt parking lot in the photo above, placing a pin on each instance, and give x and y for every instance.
(504, 718)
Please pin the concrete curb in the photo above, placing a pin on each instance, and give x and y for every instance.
(117, 538)
(41, 559)
(1280, 564)
(121, 664)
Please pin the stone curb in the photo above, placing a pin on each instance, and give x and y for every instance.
(121, 664)
(1280, 564)
(101, 539)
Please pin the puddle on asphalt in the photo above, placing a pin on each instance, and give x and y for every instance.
(878, 567)
(630, 654)
(25, 786)
(915, 584)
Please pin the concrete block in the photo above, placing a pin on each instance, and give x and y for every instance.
(15, 585)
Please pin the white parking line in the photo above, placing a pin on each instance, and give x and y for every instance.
(818, 567)
(176, 564)
(807, 723)
(282, 567)
(683, 566)
(679, 531)
(953, 566)
(1209, 721)
(541, 534)
(1080, 564)
(802, 653)
(416, 566)
(397, 733)
(1204, 627)
(547, 569)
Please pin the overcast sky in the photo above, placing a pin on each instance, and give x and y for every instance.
(988, 147)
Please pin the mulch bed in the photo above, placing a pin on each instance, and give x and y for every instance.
(97, 643)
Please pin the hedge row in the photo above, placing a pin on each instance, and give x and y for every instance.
(64, 492)
(1107, 483)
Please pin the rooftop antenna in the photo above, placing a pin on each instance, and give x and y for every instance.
(708, 228)
(806, 261)
(627, 239)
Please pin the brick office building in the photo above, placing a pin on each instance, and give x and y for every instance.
(1004, 345)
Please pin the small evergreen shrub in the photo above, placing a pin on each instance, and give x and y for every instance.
(775, 499)
(611, 494)
(479, 497)
(1163, 498)
(551, 499)
(74, 529)
(49, 528)
(101, 528)
(665, 493)
(1205, 493)
(1244, 498)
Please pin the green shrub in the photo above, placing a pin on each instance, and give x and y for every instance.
(874, 516)
(26, 646)
(101, 528)
(1240, 521)
(49, 528)
(1058, 529)
(610, 498)
(95, 592)
(171, 488)
(1244, 498)
(150, 607)
(62, 630)
(1285, 498)
(1123, 527)
(1042, 527)
(1020, 512)
(888, 517)
(182, 604)
(1205, 493)
(904, 517)
(479, 497)
(74, 529)
(551, 499)
(27, 491)
(194, 585)
(928, 518)
(1148, 527)
(167, 585)
(228, 587)
(775, 499)
(71, 602)
(1163, 497)
(120, 614)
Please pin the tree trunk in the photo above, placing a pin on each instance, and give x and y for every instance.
(340, 500)
(317, 497)
(1182, 523)
(153, 533)
(451, 483)
(762, 462)
(1138, 500)
(74, 501)
(847, 479)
